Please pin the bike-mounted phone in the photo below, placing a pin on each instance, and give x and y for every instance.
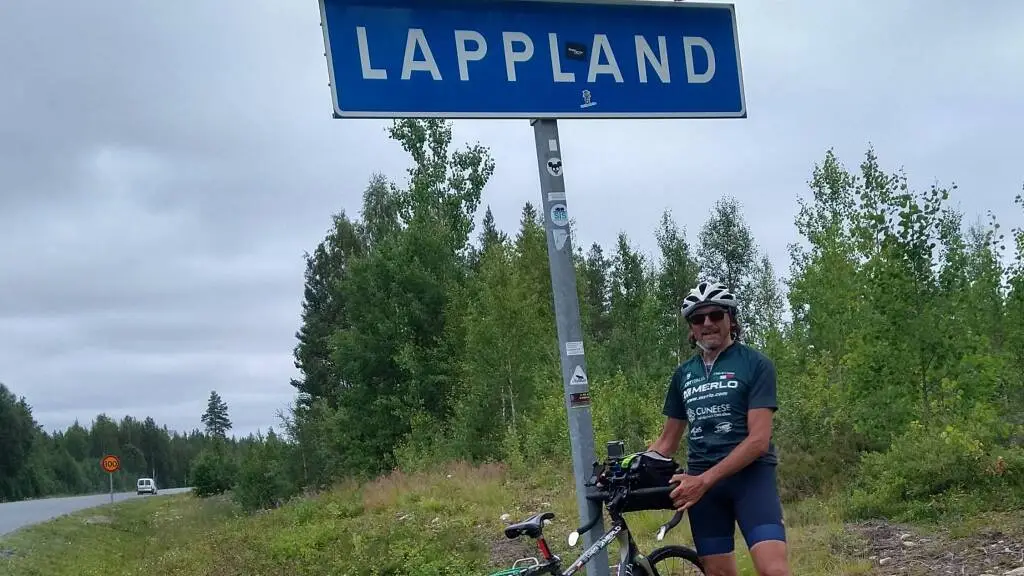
(640, 481)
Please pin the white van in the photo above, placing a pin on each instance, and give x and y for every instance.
(145, 485)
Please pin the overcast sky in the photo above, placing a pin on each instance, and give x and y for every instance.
(163, 166)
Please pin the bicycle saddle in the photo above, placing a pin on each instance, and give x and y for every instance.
(532, 526)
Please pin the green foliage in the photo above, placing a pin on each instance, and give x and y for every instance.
(322, 312)
(623, 411)
(264, 476)
(902, 320)
(17, 434)
(930, 471)
(214, 470)
(727, 249)
(896, 324)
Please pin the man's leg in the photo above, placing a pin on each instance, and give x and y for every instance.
(720, 564)
(770, 558)
(713, 526)
(759, 512)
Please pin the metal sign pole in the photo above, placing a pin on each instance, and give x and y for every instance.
(570, 332)
(110, 464)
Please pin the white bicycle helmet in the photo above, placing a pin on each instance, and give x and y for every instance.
(709, 293)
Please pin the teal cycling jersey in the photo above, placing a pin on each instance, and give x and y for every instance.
(714, 400)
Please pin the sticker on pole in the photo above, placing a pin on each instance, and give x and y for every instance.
(554, 166)
(560, 237)
(579, 399)
(579, 377)
(559, 215)
(111, 464)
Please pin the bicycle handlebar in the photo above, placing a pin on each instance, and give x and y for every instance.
(613, 491)
(604, 496)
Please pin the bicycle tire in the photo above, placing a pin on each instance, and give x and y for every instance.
(674, 551)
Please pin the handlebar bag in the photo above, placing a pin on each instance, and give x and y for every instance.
(647, 470)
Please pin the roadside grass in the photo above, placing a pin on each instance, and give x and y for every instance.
(113, 539)
(443, 522)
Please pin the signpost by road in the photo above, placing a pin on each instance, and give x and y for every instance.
(541, 60)
(111, 464)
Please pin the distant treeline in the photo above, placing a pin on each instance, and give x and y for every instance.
(35, 463)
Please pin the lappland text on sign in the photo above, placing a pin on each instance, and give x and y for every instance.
(518, 47)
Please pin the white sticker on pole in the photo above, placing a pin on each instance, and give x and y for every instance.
(579, 377)
(554, 165)
(560, 237)
(574, 348)
(559, 215)
(556, 196)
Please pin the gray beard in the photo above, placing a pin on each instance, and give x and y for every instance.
(709, 353)
(703, 346)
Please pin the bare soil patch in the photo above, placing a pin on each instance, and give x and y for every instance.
(901, 549)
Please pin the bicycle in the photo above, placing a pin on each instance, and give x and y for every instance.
(618, 495)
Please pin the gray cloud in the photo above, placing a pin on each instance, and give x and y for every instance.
(164, 166)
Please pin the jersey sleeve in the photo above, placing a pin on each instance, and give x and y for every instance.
(674, 405)
(763, 388)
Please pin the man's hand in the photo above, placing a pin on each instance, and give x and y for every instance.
(689, 491)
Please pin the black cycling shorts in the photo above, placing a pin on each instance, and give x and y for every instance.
(750, 498)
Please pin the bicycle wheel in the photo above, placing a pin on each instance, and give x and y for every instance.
(675, 561)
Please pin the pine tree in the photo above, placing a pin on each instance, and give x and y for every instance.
(216, 416)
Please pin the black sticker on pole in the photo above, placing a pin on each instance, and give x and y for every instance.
(577, 399)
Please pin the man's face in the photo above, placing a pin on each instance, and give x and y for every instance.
(710, 326)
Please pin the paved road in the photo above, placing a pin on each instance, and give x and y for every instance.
(16, 515)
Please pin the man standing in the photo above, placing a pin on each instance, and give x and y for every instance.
(726, 395)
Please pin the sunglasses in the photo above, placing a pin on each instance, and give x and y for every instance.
(698, 319)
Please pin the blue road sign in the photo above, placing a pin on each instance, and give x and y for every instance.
(533, 59)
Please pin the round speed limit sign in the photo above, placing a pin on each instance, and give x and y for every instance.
(111, 464)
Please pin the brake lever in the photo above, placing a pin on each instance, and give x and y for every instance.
(574, 537)
(676, 518)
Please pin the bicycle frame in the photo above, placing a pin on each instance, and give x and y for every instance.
(616, 531)
(627, 555)
(627, 551)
